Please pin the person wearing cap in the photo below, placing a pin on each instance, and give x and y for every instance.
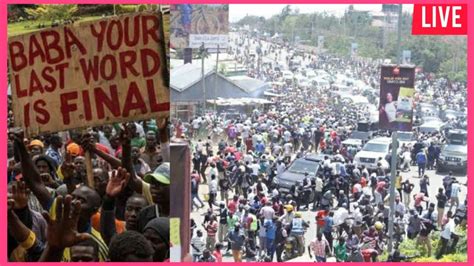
(288, 216)
(157, 232)
(36, 147)
(298, 227)
(156, 190)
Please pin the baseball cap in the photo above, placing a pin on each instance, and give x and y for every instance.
(73, 149)
(36, 142)
(161, 174)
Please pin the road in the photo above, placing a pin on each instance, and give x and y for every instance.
(435, 183)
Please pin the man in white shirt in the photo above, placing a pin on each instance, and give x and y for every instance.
(267, 211)
(197, 245)
(455, 189)
(447, 234)
(288, 149)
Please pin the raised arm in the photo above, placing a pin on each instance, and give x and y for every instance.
(31, 175)
(88, 144)
(126, 138)
(116, 184)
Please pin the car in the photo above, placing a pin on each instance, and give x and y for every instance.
(453, 157)
(357, 139)
(295, 173)
(406, 138)
(371, 152)
(431, 127)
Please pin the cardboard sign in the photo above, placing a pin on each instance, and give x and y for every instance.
(89, 74)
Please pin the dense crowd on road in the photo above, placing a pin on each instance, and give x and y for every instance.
(255, 212)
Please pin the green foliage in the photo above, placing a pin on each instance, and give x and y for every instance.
(52, 13)
(445, 258)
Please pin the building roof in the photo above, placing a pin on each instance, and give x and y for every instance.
(186, 75)
(186, 85)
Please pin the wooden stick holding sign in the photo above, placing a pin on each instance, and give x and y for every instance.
(88, 162)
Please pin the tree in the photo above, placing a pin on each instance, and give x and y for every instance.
(52, 12)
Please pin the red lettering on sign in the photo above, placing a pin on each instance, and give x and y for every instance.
(149, 56)
(53, 50)
(127, 60)
(43, 115)
(66, 107)
(135, 31)
(72, 41)
(134, 100)
(17, 52)
(102, 99)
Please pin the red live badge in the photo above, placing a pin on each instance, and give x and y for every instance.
(439, 19)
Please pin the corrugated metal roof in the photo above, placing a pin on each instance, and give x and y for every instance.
(186, 75)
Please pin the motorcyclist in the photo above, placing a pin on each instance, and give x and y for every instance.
(298, 227)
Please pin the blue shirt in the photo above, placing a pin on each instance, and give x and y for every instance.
(328, 223)
(420, 158)
(270, 229)
(260, 147)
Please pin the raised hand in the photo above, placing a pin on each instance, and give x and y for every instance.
(117, 182)
(125, 135)
(88, 142)
(62, 231)
(20, 195)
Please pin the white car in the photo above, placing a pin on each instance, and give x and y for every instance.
(372, 151)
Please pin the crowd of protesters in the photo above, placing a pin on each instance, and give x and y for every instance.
(118, 212)
(247, 214)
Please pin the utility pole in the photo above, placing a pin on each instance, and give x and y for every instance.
(215, 81)
(394, 148)
(202, 51)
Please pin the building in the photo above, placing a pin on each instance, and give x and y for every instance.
(188, 94)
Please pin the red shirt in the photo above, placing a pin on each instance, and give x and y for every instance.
(102, 148)
(232, 206)
(217, 255)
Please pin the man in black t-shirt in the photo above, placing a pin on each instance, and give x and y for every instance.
(442, 199)
(407, 188)
(223, 212)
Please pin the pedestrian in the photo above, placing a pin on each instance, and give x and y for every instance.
(237, 241)
(211, 229)
(447, 234)
(328, 227)
(212, 191)
(441, 204)
(320, 248)
(454, 199)
(197, 245)
(223, 214)
(218, 252)
(340, 250)
(421, 162)
(407, 189)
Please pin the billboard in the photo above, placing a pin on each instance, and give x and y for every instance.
(192, 25)
(406, 57)
(89, 74)
(354, 47)
(320, 42)
(397, 91)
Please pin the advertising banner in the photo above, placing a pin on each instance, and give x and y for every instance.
(397, 91)
(193, 25)
(89, 74)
